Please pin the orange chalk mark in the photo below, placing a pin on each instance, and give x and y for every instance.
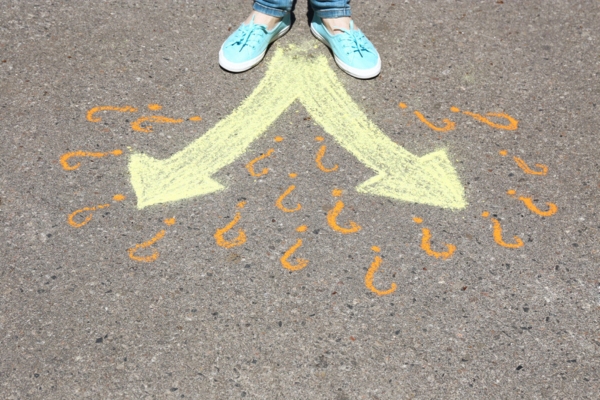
(503, 153)
(64, 159)
(154, 107)
(250, 165)
(152, 257)
(239, 239)
(87, 219)
(293, 175)
(319, 157)
(449, 124)
(278, 139)
(454, 109)
(376, 249)
(119, 197)
(300, 262)
(319, 138)
(241, 204)
(512, 123)
(169, 221)
(159, 119)
(426, 245)
(279, 201)
(485, 214)
(511, 192)
(528, 201)
(402, 105)
(332, 220)
(498, 237)
(301, 228)
(370, 276)
(418, 220)
(196, 118)
(523, 165)
(336, 192)
(90, 114)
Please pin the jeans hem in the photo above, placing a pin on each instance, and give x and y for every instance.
(274, 12)
(334, 13)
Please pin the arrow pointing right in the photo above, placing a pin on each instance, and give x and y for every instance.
(430, 179)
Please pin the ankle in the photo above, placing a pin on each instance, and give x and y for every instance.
(263, 19)
(333, 25)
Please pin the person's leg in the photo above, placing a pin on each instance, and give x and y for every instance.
(246, 47)
(276, 8)
(334, 13)
(353, 52)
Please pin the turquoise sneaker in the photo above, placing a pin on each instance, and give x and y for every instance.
(247, 46)
(353, 52)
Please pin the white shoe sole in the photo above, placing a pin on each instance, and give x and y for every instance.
(245, 66)
(355, 72)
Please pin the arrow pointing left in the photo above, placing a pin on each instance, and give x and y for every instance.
(188, 173)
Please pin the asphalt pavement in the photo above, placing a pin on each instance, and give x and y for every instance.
(169, 230)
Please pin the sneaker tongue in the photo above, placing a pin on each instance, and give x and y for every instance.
(252, 23)
(337, 28)
(253, 26)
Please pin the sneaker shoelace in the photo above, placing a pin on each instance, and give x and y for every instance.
(249, 35)
(354, 41)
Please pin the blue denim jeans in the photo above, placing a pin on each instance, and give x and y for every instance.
(322, 8)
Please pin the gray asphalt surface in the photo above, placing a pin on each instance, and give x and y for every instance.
(80, 319)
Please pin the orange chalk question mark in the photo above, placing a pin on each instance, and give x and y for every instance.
(450, 125)
(319, 158)
(300, 262)
(92, 118)
(241, 236)
(523, 165)
(137, 124)
(528, 201)
(333, 214)
(426, 244)
(250, 165)
(371, 275)
(279, 202)
(88, 218)
(64, 159)
(511, 126)
(152, 257)
(498, 234)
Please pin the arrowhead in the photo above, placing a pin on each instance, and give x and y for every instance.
(154, 181)
(430, 180)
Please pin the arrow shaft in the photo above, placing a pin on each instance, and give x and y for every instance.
(331, 106)
(427, 179)
(230, 138)
(187, 173)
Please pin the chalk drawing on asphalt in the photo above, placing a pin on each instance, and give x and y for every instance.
(399, 175)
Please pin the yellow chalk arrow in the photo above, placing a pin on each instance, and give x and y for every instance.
(430, 179)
